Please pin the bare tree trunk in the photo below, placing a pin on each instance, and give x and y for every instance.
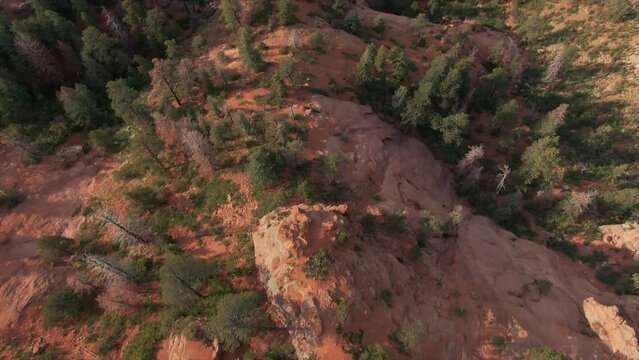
(166, 81)
(123, 228)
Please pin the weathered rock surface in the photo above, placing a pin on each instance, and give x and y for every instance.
(283, 241)
(612, 329)
(178, 347)
(622, 236)
(486, 271)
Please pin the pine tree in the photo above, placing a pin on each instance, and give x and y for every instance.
(183, 280)
(455, 86)
(452, 127)
(552, 121)
(231, 11)
(237, 318)
(506, 113)
(134, 16)
(419, 107)
(364, 72)
(380, 61)
(400, 65)
(286, 12)
(251, 58)
(125, 102)
(80, 106)
(539, 162)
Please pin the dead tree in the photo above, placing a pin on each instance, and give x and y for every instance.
(39, 57)
(165, 128)
(504, 171)
(127, 230)
(116, 27)
(109, 268)
(161, 80)
(198, 149)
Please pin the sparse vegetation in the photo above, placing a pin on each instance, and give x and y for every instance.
(316, 266)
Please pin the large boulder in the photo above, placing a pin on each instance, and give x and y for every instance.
(284, 240)
(612, 328)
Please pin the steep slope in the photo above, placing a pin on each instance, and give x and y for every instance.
(54, 197)
(464, 289)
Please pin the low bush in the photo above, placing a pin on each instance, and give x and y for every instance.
(54, 247)
(546, 353)
(212, 193)
(143, 345)
(316, 267)
(10, 197)
(146, 198)
(64, 305)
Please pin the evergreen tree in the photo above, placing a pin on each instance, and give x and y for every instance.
(54, 247)
(183, 279)
(493, 87)
(380, 61)
(237, 318)
(15, 102)
(125, 101)
(452, 127)
(230, 13)
(80, 106)
(506, 113)
(134, 16)
(539, 162)
(251, 58)
(45, 26)
(419, 107)
(286, 12)
(364, 72)
(400, 65)
(265, 168)
(552, 121)
(455, 86)
(400, 97)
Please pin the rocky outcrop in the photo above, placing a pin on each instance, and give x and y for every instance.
(623, 236)
(283, 242)
(612, 328)
(178, 347)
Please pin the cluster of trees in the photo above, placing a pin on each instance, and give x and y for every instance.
(58, 59)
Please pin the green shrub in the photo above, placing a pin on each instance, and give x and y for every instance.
(212, 192)
(318, 41)
(143, 345)
(342, 312)
(54, 247)
(147, 198)
(546, 353)
(543, 285)
(395, 222)
(10, 197)
(378, 26)
(368, 223)
(64, 305)
(607, 275)
(284, 351)
(198, 43)
(132, 170)
(563, 246)
(110, 332)
(316, 266)
(271, 201)
(408, 338)
(265, 168)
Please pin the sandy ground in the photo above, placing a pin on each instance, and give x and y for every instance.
(54, 199)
